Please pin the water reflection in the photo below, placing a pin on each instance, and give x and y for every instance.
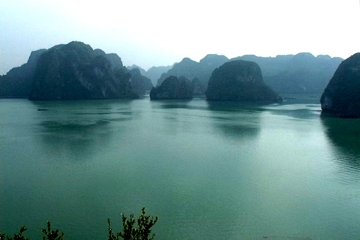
(236, 120)
(298, 111)
(344, 134)
(233, 120)
(177, 116)
(69, 137)
(178, 104)
(236, 106)
(259, 173)
(79, 128)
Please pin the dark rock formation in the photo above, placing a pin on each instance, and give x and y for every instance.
(342, 95)
(239, 81)
(76, 71)
(140, 84)
(113, 58)
(196, 70)
(207, 65)
(173, 88)
(186, 68)
(17, 82)
(153, 73)
(142, 71)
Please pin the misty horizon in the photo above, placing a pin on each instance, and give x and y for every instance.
(185, 57)
(154, 34)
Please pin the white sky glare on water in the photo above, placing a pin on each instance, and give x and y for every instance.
(160, 32)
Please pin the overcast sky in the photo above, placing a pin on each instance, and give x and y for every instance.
(161, 32)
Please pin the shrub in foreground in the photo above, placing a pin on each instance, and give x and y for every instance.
(133, 229)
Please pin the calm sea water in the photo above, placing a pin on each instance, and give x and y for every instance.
(207, 170)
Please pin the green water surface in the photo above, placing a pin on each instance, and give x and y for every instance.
(207, 170)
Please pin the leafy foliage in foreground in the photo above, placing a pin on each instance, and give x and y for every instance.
(52, 234)
(49, 233)
(17, 236)
(130, 231)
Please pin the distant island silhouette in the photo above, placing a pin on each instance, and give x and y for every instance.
(76, 71)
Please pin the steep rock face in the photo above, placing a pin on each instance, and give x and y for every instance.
(173, 88)
(239, 81)
(140, 84)
(153, 73)
(113, 58)
(17, 82)
(29, 67)
(198, 87)
(142, 71)
(342, 95)
(76, 71)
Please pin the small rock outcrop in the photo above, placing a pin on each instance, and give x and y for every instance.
(341, 97)
(199, 72)
(76, 71)
(186, 68)
(173, 88)
(239, 81)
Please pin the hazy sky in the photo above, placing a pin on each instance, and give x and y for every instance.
(161, 32)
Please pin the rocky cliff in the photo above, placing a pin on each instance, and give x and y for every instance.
(140, 83)
(113, 58)
(302, 73)
(173, 88)
(239, 81)
(18, 81)
(76, 71)
(342, 95)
